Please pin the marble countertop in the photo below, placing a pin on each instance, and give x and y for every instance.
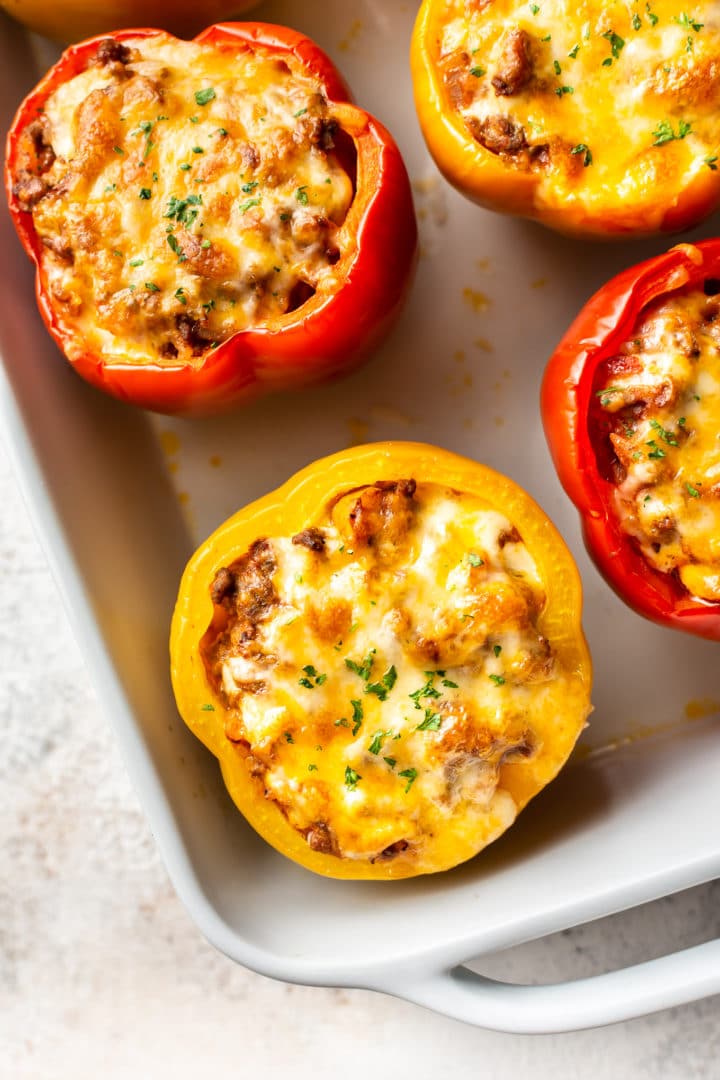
(103, 973)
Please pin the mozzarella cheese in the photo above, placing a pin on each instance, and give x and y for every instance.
(662, 393)
(598, 100)
(379, 670)
(194, 192)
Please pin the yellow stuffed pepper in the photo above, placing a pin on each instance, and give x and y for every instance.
(595, 119)
(386, 657)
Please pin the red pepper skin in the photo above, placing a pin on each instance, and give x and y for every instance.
(333, 331)
(567, 398)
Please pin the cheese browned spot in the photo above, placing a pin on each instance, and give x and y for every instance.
(591, 97)
(660, 399)
(182, 192)
(381, 667)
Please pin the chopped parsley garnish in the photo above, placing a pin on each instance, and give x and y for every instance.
(285, 216)
(312, 768)
(656, 452)
(450, 684)
(209, 305)
(475, 559)
(391, 761)
(584, 149)
(664, 133)
(426, 691)
(198, 150)
(205, 245)
(606, 394)
(357, 715)
(556, 67)
(652, 18)
(194, 119)
(636, 21)
(204, 97)
(185, 167)
(151, 286)
(300, 112)
(534, 8)
(180, 295)
(377, 741)
(362, 670)
(497, 649)
(288, 737)
(110, 187)
(184, 210)
(208, 708)
(301, 195)
(222, 132)
(688, 22)
(249, 205)
(431, 722)
(692, 491)
(499, 680)
(172, 241)
(665, 435)
(411, 776)
(564, 90)
(352, 778)
(118, 150)
(310, 672)
(478, 72)
(250, 186)
(382, 689)
(711, 162)
(136, 262)
(617, 44)
(342, 722)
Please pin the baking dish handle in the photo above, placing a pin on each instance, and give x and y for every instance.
(569, 1006)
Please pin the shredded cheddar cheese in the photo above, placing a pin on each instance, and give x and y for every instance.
(380, 669)
(189, 191)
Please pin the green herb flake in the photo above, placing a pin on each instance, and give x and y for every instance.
(301, 195)
(561, 90)
(136, 262)
(342, 722)
(692, 491)
(499, 680)
(431, 722)
(688, 22)
(110, 187)
(198, 150)
(180, 295)
(548, 37)
(391, 761)
(357, 716)
(556, 67)
(377, 741)
(656, 452)
(664, 132)
(711, 162)
(352, 778)
(584, 149)
(617, 44)
(477, 72)
(288, 737)
(249, 205)
(362, 670)
(303, 681)
(636, 21)
(652, 18)
(426, 691)
(382, 689)
(475, 560)
(497, 649)
(665, 435)
(411, 776)
(300, 112)
(312, 768)
(450, 684)
(534, 8)
(204, 97)
(185, 167)
(574, 51)
(184, 210)
(205, 245)
(208, 707)
(145, 193)
(250, 186)
(151, 286)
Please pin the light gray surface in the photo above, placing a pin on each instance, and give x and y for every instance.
(103, 973)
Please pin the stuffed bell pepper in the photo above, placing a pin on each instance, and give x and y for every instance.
(386, 657)
(210, 219)
(595, 119)
(631, 405)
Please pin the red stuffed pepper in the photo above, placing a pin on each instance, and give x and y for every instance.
(210, 219)
(631, 407)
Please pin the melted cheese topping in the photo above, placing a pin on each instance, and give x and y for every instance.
(662, 392)
(380, 668)
(194, 192)
(600, 100)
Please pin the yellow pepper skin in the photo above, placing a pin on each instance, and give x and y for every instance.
(659, 191)
(296, 506)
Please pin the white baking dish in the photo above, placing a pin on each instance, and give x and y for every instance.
(121, 499)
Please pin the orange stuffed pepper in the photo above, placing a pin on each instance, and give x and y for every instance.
(596, 120)
(210, 220)
(386, 657)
